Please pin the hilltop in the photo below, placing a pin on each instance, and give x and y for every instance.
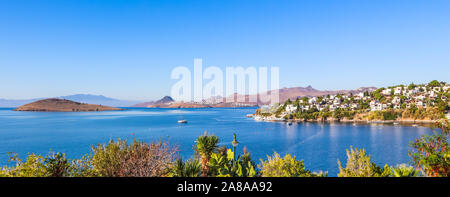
(163, 101)
(62, 105)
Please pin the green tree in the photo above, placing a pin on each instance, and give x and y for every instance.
(305, 100)
(434, 83)
(206, 145)
(288, 102)
(442, 105)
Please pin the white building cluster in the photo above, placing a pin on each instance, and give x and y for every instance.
(386, 98)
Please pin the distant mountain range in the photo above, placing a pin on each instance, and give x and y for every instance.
(297, 92)
(81, 98)
(15, 103)
(285, 93)
(99, 100)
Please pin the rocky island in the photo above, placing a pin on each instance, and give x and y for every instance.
(62, 105)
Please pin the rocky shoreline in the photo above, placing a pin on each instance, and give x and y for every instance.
(400, 121)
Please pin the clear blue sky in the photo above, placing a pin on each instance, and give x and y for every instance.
(127, 49)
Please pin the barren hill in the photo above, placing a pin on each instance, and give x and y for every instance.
(161, 102)
(294, 93)
(180, 105)
(62, 105)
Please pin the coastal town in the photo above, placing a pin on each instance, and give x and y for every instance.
(390, 102)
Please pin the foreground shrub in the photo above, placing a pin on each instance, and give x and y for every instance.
(431, 154)
(52, 165)
(57, 165)
(33, 166)
(107, 159)
(82, 167)
(359, 165)
(287, 166)
(224, 164)
(136, 159)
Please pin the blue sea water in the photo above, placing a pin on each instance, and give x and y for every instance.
(320, 145)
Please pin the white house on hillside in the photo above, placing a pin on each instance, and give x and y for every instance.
(291, 108)
(386, 92)
(397, 90)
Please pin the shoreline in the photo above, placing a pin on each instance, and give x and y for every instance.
(403, 122)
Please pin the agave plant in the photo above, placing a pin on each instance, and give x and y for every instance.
(404, 170)
(206, 145)
(320, 174)
(190, 168)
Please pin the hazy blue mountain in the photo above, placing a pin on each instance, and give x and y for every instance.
(99, 100)
(15, 103)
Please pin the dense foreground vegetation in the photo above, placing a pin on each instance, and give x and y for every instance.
(430, 157)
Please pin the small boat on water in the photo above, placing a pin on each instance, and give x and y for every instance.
(289, 123)
(414, 125)
(396, 123)
(182, 121)
(258, 118)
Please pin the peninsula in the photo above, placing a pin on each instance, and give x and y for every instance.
(62, 105)
(422, 103)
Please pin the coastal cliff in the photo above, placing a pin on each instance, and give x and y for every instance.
(62, 105)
